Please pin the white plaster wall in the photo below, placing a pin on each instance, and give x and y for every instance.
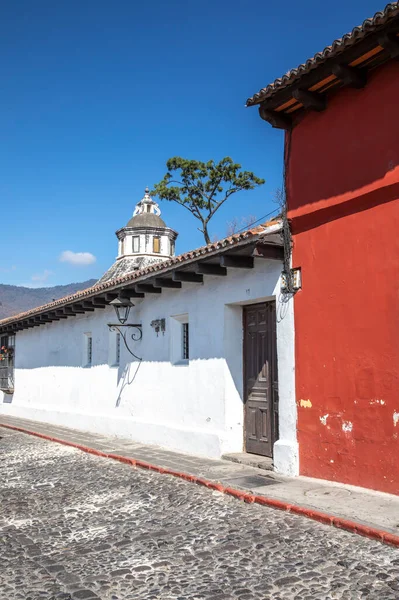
(196, 407)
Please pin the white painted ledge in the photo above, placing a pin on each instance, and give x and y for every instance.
(200, 442)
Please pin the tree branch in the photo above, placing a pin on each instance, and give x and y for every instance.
(228, 194)
(202, 185)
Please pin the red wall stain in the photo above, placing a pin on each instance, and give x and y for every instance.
(343, 194)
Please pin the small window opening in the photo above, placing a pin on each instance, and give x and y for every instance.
(185, 341)
(179, 339)
(148, 208)
(114, 349)
(136, 244)
(157, 244)
(88, 350)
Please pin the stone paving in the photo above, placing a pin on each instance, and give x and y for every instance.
(367, 507)
(78, 527)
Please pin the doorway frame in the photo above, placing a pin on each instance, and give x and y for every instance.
(274, 412)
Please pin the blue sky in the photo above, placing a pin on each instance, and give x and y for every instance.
(96, 96)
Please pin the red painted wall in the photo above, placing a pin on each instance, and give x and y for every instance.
(343, 195)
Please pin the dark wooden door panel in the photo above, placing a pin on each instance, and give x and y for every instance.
(260, 378)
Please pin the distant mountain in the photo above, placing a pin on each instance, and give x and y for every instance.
(15, 299)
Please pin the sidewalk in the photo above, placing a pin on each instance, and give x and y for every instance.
(302, 495)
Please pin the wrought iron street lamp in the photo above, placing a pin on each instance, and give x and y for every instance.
(122, 306)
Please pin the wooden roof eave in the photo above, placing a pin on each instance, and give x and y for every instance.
(349, 68)
(88, 301)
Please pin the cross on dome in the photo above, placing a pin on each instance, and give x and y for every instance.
(147, 205)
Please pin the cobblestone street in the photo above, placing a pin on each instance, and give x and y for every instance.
(75, 526)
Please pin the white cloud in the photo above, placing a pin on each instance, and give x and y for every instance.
(41, 277)
(77, 258)
(8, 269)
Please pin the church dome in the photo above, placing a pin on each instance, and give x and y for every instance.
(145, 240)
(146, 220)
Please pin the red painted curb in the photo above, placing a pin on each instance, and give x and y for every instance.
(216, 486)
(186, 476)
(272, 502)
(312, 514)
(353, 527)
(369, 532)
(391, 538)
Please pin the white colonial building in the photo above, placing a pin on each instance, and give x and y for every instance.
(204, 363)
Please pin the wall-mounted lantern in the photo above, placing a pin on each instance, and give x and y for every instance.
(122, 306)
(158, 325)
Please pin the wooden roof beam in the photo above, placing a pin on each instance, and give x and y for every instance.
(187, 276)
(53, 316)
(78, 308)
(204, 268)
(237, 262)
(26, 324)
(131, 292)
(356, 78)
(8, 329)
(167, 283)
(71, 311)
(42, 319)
(64, 314)
(390, 43)
(98, 302)
(269, 251)
(277, 120)
(146, 288)
(67, 310)
(89, 305)
(310, 100)
(108, 297)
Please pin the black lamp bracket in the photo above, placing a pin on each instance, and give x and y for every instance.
(136, 336)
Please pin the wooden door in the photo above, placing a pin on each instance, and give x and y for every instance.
(260, 378)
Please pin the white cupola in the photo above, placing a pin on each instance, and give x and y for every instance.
(144, 240)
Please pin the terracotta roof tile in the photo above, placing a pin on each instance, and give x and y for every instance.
(214, 248)
(390, 12)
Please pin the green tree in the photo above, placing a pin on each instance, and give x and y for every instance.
(202, 188)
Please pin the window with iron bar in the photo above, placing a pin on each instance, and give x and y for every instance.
(87, 350)
(185, 342)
